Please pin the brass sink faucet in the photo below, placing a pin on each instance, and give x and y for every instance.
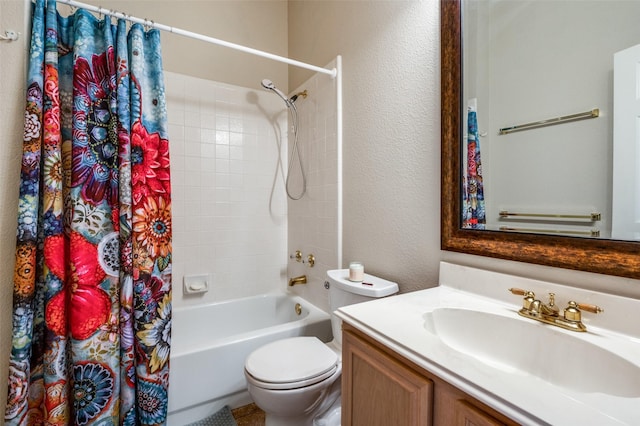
(571, 318)
(302, 279)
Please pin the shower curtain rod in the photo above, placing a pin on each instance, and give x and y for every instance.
(149, 23)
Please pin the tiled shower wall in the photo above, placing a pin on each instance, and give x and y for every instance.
(232, 221)
(313, 220)
(229, 205)
(231, 218)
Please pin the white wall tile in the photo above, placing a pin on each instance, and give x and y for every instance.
(312, 221)
(222, 218)
(232, 219)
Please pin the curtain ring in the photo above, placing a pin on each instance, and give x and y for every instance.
(100, 13)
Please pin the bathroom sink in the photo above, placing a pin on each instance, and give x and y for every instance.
(467, 332)
(528, 348)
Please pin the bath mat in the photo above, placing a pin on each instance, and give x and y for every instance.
(223, 417)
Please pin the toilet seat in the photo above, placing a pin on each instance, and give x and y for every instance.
(292, 385)
(291, 363)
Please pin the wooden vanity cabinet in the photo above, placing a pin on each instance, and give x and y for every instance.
(378, 389)
(381, 388)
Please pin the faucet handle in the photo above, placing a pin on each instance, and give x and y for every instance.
(572, 313)
(589, 308)
(297, 256)
(553, 308)
(518, 291)
(528, 295)
(573, 310)
(529, 302)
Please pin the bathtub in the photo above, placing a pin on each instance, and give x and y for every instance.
(209, 345)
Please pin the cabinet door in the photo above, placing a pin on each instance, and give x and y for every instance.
(377, 390)
(468, 415)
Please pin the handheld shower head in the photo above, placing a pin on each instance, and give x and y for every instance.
(268, 84)
(293, 111)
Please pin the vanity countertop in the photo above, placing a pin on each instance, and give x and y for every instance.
(399, 323)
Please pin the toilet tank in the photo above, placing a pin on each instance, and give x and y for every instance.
(343, 292)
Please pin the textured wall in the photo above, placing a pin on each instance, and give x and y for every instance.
(391, 127)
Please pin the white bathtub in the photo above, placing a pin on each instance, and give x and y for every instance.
(209, 345)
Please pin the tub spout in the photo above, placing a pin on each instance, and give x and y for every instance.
(302, 279)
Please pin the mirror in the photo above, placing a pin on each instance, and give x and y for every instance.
(612, 257)
(543, 79)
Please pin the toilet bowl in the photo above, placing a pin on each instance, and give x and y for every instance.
(292, 379)
(296, 381)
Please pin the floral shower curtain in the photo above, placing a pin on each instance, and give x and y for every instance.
(92, 281)
(473, 205)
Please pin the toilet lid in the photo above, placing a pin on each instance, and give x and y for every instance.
(291, 360)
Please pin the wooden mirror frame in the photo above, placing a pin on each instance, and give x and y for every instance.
(620, 258)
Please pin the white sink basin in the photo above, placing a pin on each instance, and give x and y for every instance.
(525, 347)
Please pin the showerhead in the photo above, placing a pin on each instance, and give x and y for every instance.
(268, 84)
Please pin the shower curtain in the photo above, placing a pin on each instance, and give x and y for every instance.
(92, 281)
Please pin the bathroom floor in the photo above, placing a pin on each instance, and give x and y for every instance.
(248, 415)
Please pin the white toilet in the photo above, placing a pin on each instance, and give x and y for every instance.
(296, 381)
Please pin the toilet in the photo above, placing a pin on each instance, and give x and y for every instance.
(296, 381)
